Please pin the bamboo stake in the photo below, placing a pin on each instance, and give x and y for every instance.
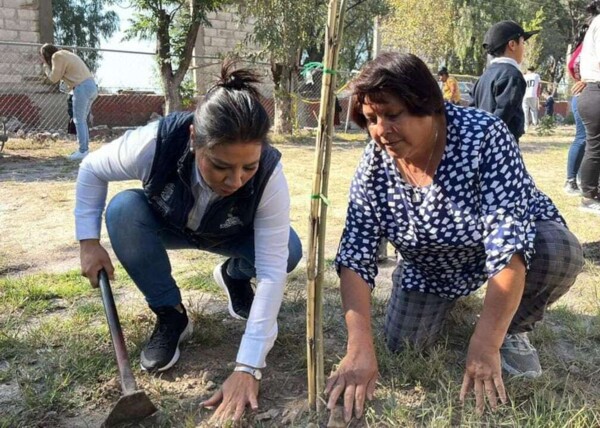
(318, 209)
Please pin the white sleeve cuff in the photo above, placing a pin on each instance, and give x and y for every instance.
(253, 351)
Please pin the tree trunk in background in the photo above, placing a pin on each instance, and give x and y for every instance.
(172, 96)
(171, 79)
(282, 78)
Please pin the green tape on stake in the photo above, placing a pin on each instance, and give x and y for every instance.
(321, 197)
(316, 65)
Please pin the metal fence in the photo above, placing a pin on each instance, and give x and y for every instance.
(130, 93)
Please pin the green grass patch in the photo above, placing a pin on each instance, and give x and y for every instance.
(202, 282)
(39, 293)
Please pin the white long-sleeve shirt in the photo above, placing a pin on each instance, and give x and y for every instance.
(589, 67)
(130, 157)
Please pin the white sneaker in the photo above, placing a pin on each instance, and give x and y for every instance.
(591, 205)
(77, 155)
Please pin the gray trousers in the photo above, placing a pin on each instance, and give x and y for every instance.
(589, 110)
(417, 318)
(530, 108)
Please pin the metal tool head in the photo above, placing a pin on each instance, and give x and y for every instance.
(130, 408)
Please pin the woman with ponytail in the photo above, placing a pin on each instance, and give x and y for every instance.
(210, 181)
(589, 109)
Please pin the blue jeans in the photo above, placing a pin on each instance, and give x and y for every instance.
(577, 148)
(84, 95)
(140, 239)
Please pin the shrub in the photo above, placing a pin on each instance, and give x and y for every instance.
(546, 126)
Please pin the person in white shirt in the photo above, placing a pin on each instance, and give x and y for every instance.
(589, 110)
(211, 181)
(531, 99)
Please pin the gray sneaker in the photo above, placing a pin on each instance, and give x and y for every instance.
(590, 205)
(571, 188)
(519, 357)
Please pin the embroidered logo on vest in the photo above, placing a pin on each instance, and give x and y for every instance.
(231, 221)
(167, 192)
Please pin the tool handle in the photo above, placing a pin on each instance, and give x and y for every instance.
(127, 380)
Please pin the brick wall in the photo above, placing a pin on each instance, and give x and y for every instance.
(19, 21)
(126, 109)
(26, 21)
(226, 34)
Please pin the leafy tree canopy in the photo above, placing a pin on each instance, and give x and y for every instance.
(174, 25)
(83, 23)
(357, 41)
(421, 27)
(451, 32)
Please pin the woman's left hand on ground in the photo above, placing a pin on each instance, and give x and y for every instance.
(483, 375)
(239, 390)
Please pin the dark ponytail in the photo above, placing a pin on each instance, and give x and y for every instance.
(231, 111)
(580, 36)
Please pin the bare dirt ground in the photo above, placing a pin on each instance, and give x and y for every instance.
(37, 229)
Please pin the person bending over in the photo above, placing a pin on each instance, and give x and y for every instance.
(61, 64)
(447, 187)
(210, 181)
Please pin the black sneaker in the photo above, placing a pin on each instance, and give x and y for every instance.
(571, 188)
(239, 292)
(162, 350)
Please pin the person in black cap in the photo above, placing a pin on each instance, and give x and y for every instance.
(501, 87)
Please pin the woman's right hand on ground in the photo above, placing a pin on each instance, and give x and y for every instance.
(93, 258)
(355, 378)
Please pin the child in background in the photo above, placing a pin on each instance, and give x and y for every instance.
(501, 87)
(549, 105)
(450, 89)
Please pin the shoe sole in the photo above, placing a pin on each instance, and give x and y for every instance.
(189, 328)
(218, 276)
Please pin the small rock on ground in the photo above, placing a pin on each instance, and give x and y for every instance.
(336, 418)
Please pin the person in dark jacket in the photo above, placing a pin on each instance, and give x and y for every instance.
(501, 87)
(210, 181)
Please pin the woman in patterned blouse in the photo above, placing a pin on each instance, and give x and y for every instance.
(447, 187)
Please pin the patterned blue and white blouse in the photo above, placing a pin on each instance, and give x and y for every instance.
(480, 209)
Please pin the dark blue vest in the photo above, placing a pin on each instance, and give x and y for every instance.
(169, 192)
